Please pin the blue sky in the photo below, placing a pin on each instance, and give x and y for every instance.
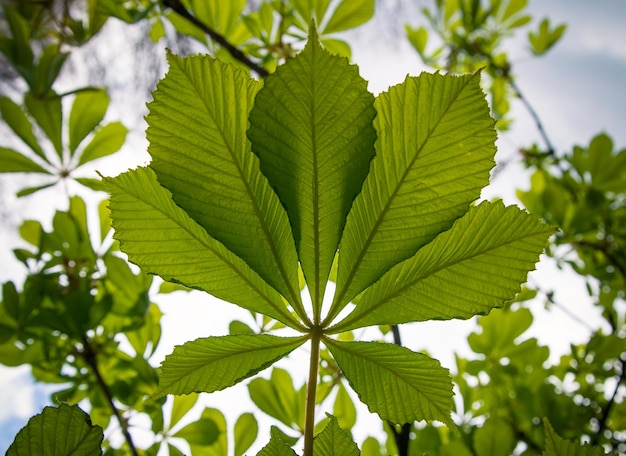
(578, 90)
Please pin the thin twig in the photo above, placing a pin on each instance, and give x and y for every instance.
(534, 115)
(179, 8)
(89, 356)
(606, 411)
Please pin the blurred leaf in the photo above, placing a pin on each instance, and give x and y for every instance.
(87, 112)
(203, 432)
(16, 119)
(106, 141)
(494, 438)
(12, 161)
(349, 14)
(245, 433)
(544, 38)
(48, 114)
(556, 446)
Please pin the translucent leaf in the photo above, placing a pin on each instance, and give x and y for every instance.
(182, 404)
(556, 446)
(475, 266)
(279, 399)
(58, 431)
(12, 161)
(398, 384)
(434, 151)
(246, 430)
(311, 128)
(161, 238)
(31, 190)
(87, 112)
(203, 432)
(197, 133)
(344, 410)
(499, 331)
(106, 141)
(214, 363)
(48, 113)
(350, 14)
(15, 118)
(333, 441)
(310, 10)
(276, 446)
(220, 446)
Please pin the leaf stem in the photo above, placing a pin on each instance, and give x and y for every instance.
(311, 390)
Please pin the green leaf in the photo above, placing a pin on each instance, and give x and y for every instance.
(500, 329)
(542, 40)
(556, 446)
(276, 446)
(220, 446)
(58, 431)
(12, 161)
(106, 141)
(333, 441)
(350, 14)
(494, 438)
(31, 190)
(203, 432)
(182, 404)
(214, 363)
(279, 399)
(311, 128)
(165, 241)
(20, 124)
(475, 266)
(48, 67)
(246, 431)
(434, 151)
(344, 410)
(48, 113)
(398, 384)
(310, 10)
(197, 133)
(87, 112)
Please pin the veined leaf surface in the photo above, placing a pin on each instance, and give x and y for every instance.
(334, 440)
(197, 133)
(162, 239)
(434, 151)
(311, 127)
(398, 384)
(214, 363)
(468, 270)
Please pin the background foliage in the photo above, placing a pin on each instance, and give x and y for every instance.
(84, 320)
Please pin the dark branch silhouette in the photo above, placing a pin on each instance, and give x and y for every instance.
(179, 8)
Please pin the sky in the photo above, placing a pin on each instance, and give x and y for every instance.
(577, 89)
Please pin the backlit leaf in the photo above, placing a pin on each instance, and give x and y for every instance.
(197, 133)
(246, 430)
(214, 363)
(556, 446)
(475, 266)
(434, 152)
(161, 238)
(58, 431)
(350, 14)
(276, 446)
(311, 128)
(106, 141)
(398, 384)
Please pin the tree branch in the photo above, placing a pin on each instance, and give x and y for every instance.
(606, 410)
(179, 8)
(89, 355)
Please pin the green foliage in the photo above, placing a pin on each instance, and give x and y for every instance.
(88, 110)
(468, 35)
(258, 190)
(41, 435)
(311, 139)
